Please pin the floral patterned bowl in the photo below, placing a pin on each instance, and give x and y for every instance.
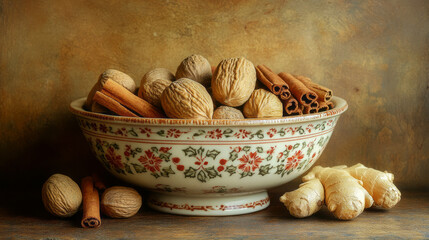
(207, 167)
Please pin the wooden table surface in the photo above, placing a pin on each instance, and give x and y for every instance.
(22, 216)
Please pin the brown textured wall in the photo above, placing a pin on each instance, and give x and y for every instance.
(372, 53)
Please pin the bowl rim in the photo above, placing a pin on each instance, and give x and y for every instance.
(76, 107)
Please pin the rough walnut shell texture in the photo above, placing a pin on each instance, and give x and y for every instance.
(226, 112)
(120, 202)
(263, 104)
(197, 68)
(234, 81)
(187, 99)
(153, 84)
(122, 78)
(61, 196)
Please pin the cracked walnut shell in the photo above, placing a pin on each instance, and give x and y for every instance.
(120, 202)
(263, 104)
(187, 99)
(234, 81)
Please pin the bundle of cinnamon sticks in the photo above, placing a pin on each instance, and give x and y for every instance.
(299, 94)
(119, 100)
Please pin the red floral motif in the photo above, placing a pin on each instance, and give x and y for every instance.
(242, 133)
(164, 149)
(271, 150)
(127, 151)
(272, 132)
(113, 159)
(146, 131)
(103, 128)
(292, 130)
(151, 162)
(330, 122)
(312, 158)
(201, 162)
(121, 131)
(214, 134)
(94, 126)
(309, 127)
(175, 133)
(176, 161)
(250, 162)
(289, 147)
(236, 149)
(222, 163)
(293, 161)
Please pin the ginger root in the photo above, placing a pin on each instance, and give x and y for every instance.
(344, 195)
(305, 200)
(378, 184)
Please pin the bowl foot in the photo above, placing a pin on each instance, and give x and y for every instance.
(209, 206)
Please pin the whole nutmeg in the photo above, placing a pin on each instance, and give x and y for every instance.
(197, 68)
(122, 78)
(187, 99)
(263, 104)
(61, 196)
(226, 112)
(234, 81)
(153, 84)
(120, 202)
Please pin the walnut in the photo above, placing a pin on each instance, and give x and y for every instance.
(226, 112)
(186, 98)
(197, 68)
(263, 104)
(234, 81)
(120, 202)
(153, 84)
(61, 196)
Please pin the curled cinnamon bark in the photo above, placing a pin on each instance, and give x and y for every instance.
(302, 93)
(323, 93)
(309, 109)
(273, 82)
(290, 105)
(91, 204)
(330, 104)
(131, 101)
(112, 105)
(323, 107)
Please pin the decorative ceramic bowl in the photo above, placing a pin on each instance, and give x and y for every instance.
(207, 167)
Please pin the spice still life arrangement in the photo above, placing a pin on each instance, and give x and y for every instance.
(62, 197)
(208, 140)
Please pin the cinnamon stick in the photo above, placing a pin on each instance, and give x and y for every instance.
(304, 95)
(285, 95)
(323, 93)
(323, 106)
(314, 104)
(290, 105)
(91, 204)
(330, 104)
(308, 109)
(112, 104)
(131, 101)
(271, 80)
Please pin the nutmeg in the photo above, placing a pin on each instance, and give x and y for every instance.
(234, 81)
(120, 202)
(197, 68)
(61, 196)
(153, 84)
(226, 112)
(263, 104)
(188, 99)
(122, 78)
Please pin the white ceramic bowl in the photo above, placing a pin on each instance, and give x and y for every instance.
(207, 167)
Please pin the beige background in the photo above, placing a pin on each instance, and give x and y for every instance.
(372, 53)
